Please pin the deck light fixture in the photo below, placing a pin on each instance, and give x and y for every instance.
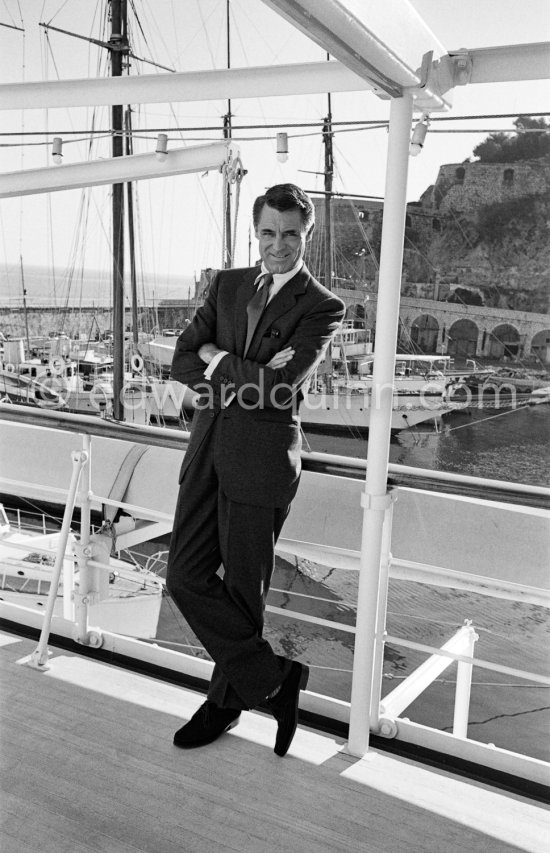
(57, 150)
(162, 145)
(418, 137)
(282, 147)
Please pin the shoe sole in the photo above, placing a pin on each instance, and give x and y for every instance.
(206, 741)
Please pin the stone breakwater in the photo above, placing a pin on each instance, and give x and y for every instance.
(86, 322)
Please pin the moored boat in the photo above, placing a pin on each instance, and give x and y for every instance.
(129, 599)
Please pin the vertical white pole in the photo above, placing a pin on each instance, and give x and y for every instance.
(39, 658)
(379, 640)
(464, 689)
(375, 501)
(84, 544)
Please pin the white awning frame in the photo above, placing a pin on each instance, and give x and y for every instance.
(115, 170)
(431, 91)
(219, 84)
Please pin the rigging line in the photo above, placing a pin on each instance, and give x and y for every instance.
(22, 154)
(365, 125)
(455, 625)
(55, 14)
(329, 668)
(450, 681)
(47, 144)
(175, 26)
(501, 717)
(364, 233)
(245, 54)
(176, 644)
(417, 250)
(462, 231)
(12, 27)
(199, 183)
(10, 14)
(191, 40)
(486, 115)
(190, 128)
(492, 130)
(138, 22)
(206, 31)
(51, 247)
(509, 411)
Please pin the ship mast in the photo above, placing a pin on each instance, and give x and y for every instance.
(131, 231)
(228, 248)
(328, 175)
(118, 46)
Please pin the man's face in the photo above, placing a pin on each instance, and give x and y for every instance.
(282, 238)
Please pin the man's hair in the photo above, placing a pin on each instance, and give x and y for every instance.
(286, 197)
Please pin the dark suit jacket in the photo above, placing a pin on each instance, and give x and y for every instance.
(259, 457)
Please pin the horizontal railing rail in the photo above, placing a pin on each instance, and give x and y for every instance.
(325, 463)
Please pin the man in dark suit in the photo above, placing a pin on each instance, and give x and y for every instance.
(249, 351)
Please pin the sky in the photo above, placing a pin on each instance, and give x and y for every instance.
(179, 220)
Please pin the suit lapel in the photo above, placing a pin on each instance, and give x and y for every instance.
(282, 302)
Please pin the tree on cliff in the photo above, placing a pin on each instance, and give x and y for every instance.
(526, 144)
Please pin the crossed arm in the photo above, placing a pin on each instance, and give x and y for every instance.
(207, 352)
(280, 378)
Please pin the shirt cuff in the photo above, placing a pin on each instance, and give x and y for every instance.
(210, 368)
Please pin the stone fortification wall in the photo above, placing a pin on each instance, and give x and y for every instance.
(465, 187)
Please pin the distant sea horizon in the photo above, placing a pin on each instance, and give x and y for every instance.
(85, 288)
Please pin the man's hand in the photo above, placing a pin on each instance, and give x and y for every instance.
(280, 359)
(207, 352)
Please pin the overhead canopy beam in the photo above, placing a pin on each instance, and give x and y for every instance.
(263, 81)
(509, 63)
(385, 45)
(118, 169)
(434, 81)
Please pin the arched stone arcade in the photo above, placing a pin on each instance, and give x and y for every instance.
(540, 346)
(424, 334)
(462, 339)
(503, 342)
(463, 331)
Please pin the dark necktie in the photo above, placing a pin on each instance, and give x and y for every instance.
(255, 309)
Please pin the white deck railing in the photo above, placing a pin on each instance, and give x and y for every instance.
(385, 714)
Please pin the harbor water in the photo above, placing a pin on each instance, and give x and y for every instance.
(500, 444)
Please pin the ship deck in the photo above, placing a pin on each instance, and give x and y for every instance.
(88, 765)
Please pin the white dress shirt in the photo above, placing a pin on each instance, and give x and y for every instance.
(279, 281)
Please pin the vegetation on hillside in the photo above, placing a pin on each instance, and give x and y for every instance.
(526, 144)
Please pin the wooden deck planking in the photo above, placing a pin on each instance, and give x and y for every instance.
(97, 772)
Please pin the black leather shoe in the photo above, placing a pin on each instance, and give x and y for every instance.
(284, 706)
(206, 725)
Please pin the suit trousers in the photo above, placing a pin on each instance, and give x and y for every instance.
(225, 608)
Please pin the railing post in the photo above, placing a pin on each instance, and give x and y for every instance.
(380, 636)
(375, 500)
(88, 584)
(464, 688)
(39, 658)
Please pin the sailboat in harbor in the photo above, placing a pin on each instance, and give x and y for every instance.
(109, 377)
